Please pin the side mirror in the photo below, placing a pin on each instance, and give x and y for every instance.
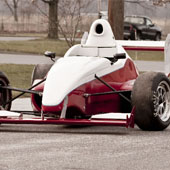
(50, 54)
(116, 57)
(120, 56)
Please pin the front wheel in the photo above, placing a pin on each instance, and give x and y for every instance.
(5, 94)
(151, 98)
(157, 37)
(138, 36)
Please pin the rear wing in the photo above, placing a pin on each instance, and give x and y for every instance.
(163, 46)
(142, 45)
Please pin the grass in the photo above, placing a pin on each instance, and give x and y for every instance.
(147, 55)
(38, 46)
(18, 75)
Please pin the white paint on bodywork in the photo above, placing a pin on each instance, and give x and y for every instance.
(71, 72)
(5, 113)
(120, 116)
(140, 43)
(79, 50)
(103, 39)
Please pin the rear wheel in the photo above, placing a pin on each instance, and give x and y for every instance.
(5, 94)
(151, 98)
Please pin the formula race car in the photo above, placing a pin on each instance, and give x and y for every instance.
(95, 83)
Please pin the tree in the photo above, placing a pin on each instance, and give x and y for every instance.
(13, 7)
(64, 17)
(52, 17)
(116, 17)
(70, 18)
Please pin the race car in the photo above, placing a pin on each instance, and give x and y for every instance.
(95, 83)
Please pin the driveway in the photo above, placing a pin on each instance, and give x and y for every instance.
(17, 38)
(23, 59)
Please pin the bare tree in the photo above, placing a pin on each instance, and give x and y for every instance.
(116, 17)
(160, 2)
(70, 18)
(65, 18)
(13, 7)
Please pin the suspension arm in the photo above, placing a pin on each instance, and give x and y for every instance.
(23, 92)
(113, 89)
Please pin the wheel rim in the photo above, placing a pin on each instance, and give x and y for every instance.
(162, 101)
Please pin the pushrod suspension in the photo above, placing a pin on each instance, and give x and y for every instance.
(113, 89)
(21, 90)
(106, 93)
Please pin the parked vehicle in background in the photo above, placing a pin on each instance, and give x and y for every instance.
(140, 27)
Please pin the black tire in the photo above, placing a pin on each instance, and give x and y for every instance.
(5, 94)
(40, 71)
(151, 98)
(138, 36)
(157, 37)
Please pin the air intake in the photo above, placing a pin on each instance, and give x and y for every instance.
(99, 28)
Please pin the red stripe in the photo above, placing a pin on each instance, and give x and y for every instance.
(143, 48)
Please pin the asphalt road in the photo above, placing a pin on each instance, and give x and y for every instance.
(157, 66)
(52, 147)
(23, 59)
(17, 38)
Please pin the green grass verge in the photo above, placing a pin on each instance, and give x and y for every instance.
(147, 55)
(38, 46)
(18, 75)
